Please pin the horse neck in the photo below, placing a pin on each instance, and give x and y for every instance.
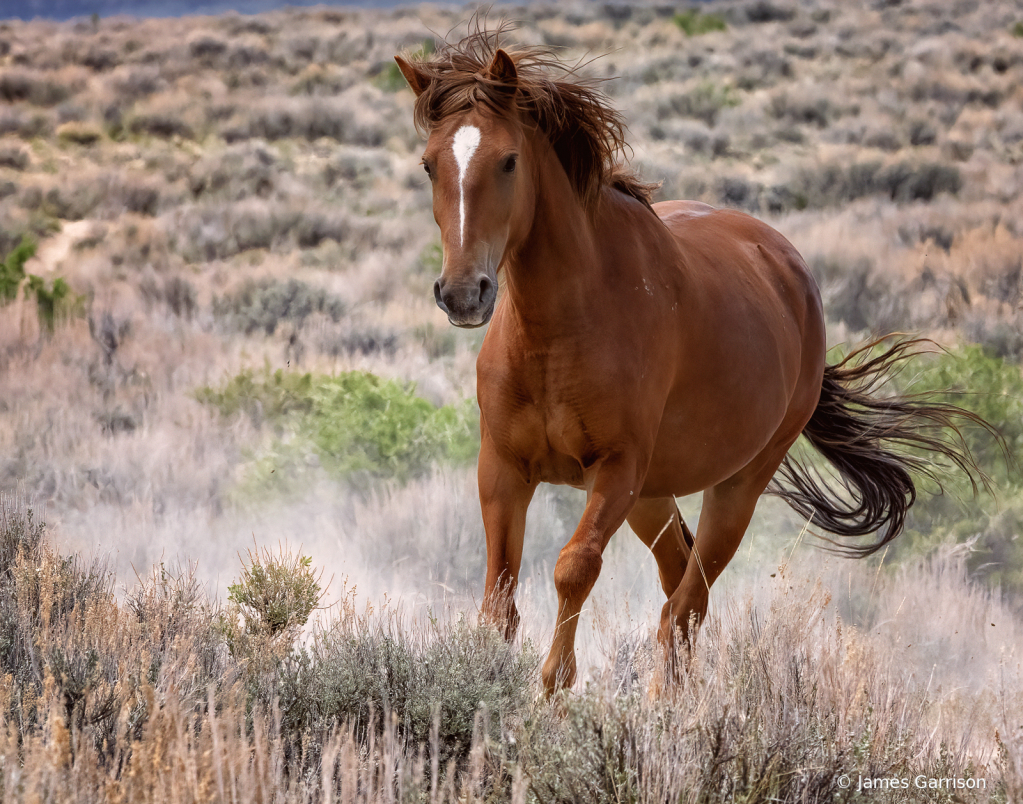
(548, 276)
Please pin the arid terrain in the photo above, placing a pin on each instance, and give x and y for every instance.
(231, 345)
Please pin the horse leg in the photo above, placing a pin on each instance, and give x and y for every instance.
(614, 491)
(658, 524)
(504, 498)
(727, 510)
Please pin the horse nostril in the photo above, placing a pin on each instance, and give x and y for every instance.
(437, 296)
(486, 290)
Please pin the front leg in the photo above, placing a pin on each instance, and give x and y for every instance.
(614, 492)
(504, 498)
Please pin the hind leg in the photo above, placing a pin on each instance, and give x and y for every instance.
(659, 525)
(727, 510)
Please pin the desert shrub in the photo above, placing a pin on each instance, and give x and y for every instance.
(752, 721)
(134, 82)
(816, 111)
(764, 11)
(264, 305)
(1004, 338)
(239, 172)
(176, 292)
(906, 181)
(160, 124)
(358, 425)
(42, 597)
(703, 102)
(79, 133)
(695, 22)
(21, 533)
(922, 132)
(206, 47)
(76, 662)
(73, 201)
(51, 298)
(1017, 29)
(317, 80)
(834, 184)
(244, 55)
(763, 68)
(739, 192)
(11, 156)
(99, 58)
(304, 118)
(359, 339)
(141, 197)
(22, 85)
(441, 691)
(315, 226)
(860, 296)
(275, 593)
(211, 232)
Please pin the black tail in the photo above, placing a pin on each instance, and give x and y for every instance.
(863, 437)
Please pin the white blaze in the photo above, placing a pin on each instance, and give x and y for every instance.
(467, 140)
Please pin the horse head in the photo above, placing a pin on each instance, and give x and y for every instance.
(477, 158)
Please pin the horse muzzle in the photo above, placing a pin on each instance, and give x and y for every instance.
(467, 304)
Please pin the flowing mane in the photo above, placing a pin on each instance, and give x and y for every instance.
(587, 134)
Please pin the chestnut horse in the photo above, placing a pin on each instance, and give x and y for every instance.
(639, 351)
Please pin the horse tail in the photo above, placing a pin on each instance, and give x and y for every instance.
(874, 444)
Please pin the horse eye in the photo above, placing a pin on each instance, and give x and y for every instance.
(426, 167)
(509, 164)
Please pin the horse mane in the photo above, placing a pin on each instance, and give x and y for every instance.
(586, 133)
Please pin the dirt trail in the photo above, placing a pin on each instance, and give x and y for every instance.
(54, 250)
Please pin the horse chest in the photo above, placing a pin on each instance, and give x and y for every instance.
(551, 421)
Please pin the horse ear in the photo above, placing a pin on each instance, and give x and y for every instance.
(502, 69)
(417, 80)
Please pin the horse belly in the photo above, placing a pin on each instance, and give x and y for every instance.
(697, 448)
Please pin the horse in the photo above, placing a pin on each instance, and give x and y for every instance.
(640, 351)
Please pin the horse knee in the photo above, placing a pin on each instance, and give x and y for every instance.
(576, 571)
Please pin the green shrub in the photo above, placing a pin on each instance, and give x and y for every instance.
(12, 268)
(703, 102)
(1017, 29)
(978, 381)
(275, 592)
(358, 425)
(51, 298)
(694, 22)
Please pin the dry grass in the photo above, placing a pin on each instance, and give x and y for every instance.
(157, 695)
(232, 193)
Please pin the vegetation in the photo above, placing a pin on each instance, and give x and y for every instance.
(695, 22)
(358, 425)
(51, 297)
(275, 592)
(105, 696)
(973, 378)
